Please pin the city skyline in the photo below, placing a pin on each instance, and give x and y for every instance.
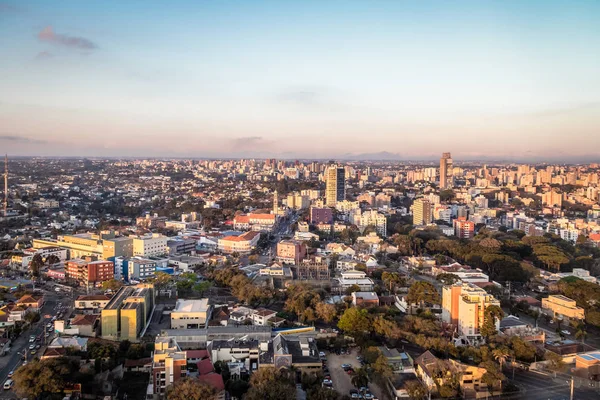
(343, 80)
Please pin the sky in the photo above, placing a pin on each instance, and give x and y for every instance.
(301, 79)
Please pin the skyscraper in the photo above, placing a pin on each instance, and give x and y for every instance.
(445, 170)
(336, 185)
(421, 212)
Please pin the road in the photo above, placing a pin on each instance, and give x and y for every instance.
(539, 386)
(20, 346)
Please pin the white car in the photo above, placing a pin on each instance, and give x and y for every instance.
(31, 339)
(8, 384)
(566, 332)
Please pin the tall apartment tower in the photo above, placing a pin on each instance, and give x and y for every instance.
(335, 185)
(445, 170)
(421, 212)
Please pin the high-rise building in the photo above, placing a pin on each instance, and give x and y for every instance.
(336, 185)
(421, 212)
(463, 305)
(445, 171)
(463, 229)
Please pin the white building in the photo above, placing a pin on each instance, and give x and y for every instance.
(353, 277)
(190, 314)
(150, 245)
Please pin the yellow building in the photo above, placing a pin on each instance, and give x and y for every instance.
(421, 210)
(562, 307)
(103, 246)
(126, 314)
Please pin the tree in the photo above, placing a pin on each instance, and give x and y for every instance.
(45, 377)
(501, 354)
(555, 362)
(36, 265)
(355, 321)
(391, 279)
(580, 332)
(161, 280)
(415, 390)
(326, 312)
(189, 388)
(422, 293)
(112, 284)
(386, 328)
(32, 317)
(447, 279)
(360, 378)
(352, 289)
(491, 315)
(271, 384)
(52, 259)
(493, 377)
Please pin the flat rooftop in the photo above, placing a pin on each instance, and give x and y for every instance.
(189, 306)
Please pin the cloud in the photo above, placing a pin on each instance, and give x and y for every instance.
(44, 55)
(8, 8)
(48, 35)
(20, 139)
(250, 143)
(303, 96)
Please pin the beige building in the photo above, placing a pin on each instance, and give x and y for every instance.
(190, 314)
(151, 245)
(421, 210)
(463, 305)
(445, 171)
(562, 307)
(103, 246)
(169, 364)
(291, 252)
(242, 244)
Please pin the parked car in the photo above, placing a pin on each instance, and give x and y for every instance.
(8, 384)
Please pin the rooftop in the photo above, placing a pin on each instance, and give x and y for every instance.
(191, 305)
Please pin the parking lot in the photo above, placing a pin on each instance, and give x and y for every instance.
(341, 380)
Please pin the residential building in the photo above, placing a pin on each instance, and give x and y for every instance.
(89, 272)
(291, 252)
(445, 171)
(321, 215)
(169, 364)
(190, 314)
(335, 190)
(299, 352)
(89, 304)
(421, 210)
(375, 219)
(464, 305)
(366, 299)
(562, 307)
(463, 229)
(353, 277)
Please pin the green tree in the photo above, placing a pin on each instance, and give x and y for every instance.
(36, 265)
(555, 362)
(326, 312)
(352, 289)
(491, 315)
(189, 388)
(271, 384)
(360, 378)
(447, 279)
(392, 279)
(501, 354)
(355, 321)
(422, 293)
(416, 390)
(45, 377)
(112, 284)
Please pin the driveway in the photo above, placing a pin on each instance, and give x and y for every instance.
(341, 380)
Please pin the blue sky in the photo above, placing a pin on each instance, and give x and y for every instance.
(301, 79)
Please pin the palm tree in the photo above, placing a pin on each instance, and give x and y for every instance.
(581, 332)
(501, 354)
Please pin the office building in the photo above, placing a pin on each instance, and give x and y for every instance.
(562, 307)
(128, 312)
(445, 171)
(463, 305)
(150, 245)
(321, 215)
(335, 190)
(190, 314)
(104, 246)
(421, 212)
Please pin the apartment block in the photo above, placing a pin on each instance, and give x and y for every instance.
(463, 229)
(87, 271)
(291, 252)
(150, 245)
(421, 210)
(463, 305)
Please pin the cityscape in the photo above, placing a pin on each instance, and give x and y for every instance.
(300, 200)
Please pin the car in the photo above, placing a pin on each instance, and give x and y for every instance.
(38, 346)
(53, 318)
(346, 366)
(368, 396)
(32, 352)
(31, 346)
(31, 338)
(327, 377)
(349, 371)
(565, 332)
(49, 325)
(47, 334)
(8, 384)
(10, 374)
(355, 396)
(363, 389)
(322, 354)
(327, 382)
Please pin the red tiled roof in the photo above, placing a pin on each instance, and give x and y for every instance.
(137, 363)
(197, 354)
(213, 379)
(205, 366)
(87, 319)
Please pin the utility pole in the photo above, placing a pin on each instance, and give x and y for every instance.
(572, 386)
(5, 184)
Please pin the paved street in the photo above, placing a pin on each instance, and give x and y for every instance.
(20, 346)
(538, 386)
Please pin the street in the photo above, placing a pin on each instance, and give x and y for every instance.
(21, 345)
